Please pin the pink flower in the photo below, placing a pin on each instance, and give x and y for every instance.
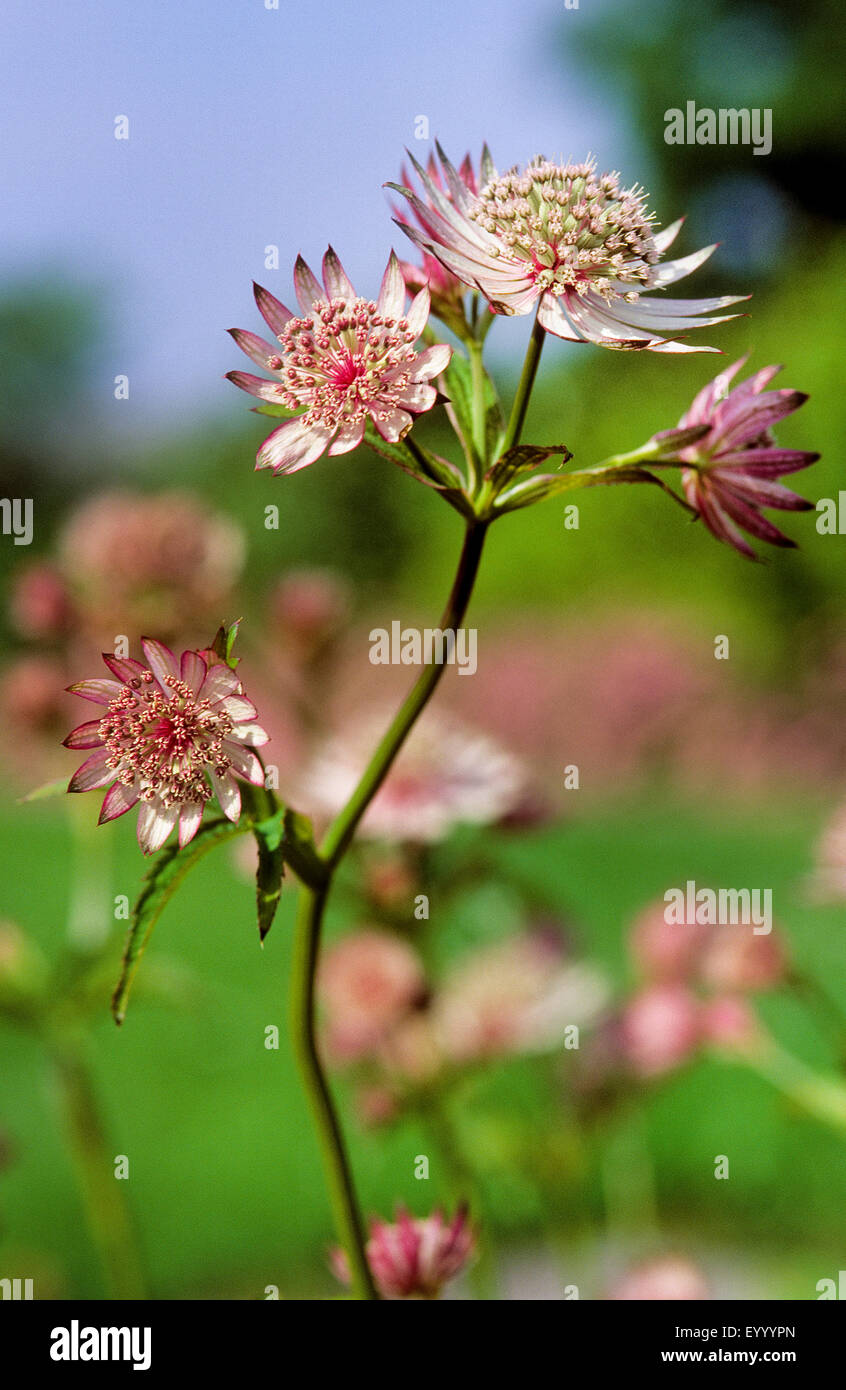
(731, 472)
(447, 290)
(731, 1024)
(173, 734)
(670, 1277)
(414, 1257)
(666, 951)
(40, 604)
(660, 1029)
(445, 776)
(162, 562)
(729, 957)
(736, 959)
(368, 981)
(517, 996)
(562, 237)
(344, 361)
(309, 607)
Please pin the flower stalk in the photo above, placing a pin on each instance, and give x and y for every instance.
(310, 914)
(531, 363)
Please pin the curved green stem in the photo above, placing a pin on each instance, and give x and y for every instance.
(336, 1163)
(477, 369)
(342, 829)
(312, 906)
(524, 388)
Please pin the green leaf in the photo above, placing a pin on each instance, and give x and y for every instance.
(46, 790)
(540, 486)
(284, 837)
(458, 383)
(169, 869)
(522, 458)
(280, 412)
(395, 453)
(424, 466)
(269, 836)
(224, 641)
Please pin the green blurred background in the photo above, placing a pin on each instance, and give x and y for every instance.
(731, 782)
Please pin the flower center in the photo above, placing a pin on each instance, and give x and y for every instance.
(340, 359)
(569, 228)
(165, 743)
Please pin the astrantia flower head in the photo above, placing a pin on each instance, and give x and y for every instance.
(343, 361)
(445, 775)
(732, 470)
(173, 734)
(414, 1257)
(572, 241)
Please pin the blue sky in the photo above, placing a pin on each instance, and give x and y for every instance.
(248, 127)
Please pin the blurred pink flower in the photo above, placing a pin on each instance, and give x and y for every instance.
(40, 605)
(726, 958)
(735, 959)
(161, 561)
(664, 951)
(563, 239)
(731, 473)
(308, 608)
(730, 1023)
(519, 995)
(411, 1054)
(667, 1278)
(173, 734)
(415, 1256)
(344, 362)
(368, 981)
(445, 775)
(829, 879)
(31, 696)
(661, 1028)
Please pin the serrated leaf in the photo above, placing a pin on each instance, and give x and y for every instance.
(269, 835)
(396, 453)
(522, 458)
(169, 869)
(430, 468)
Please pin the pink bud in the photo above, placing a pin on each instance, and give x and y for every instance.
(660, 1029)
(737, 959)
(665, 951)
(730, 1022)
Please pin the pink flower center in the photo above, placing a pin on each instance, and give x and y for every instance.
(166, 743)
(343, 362)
